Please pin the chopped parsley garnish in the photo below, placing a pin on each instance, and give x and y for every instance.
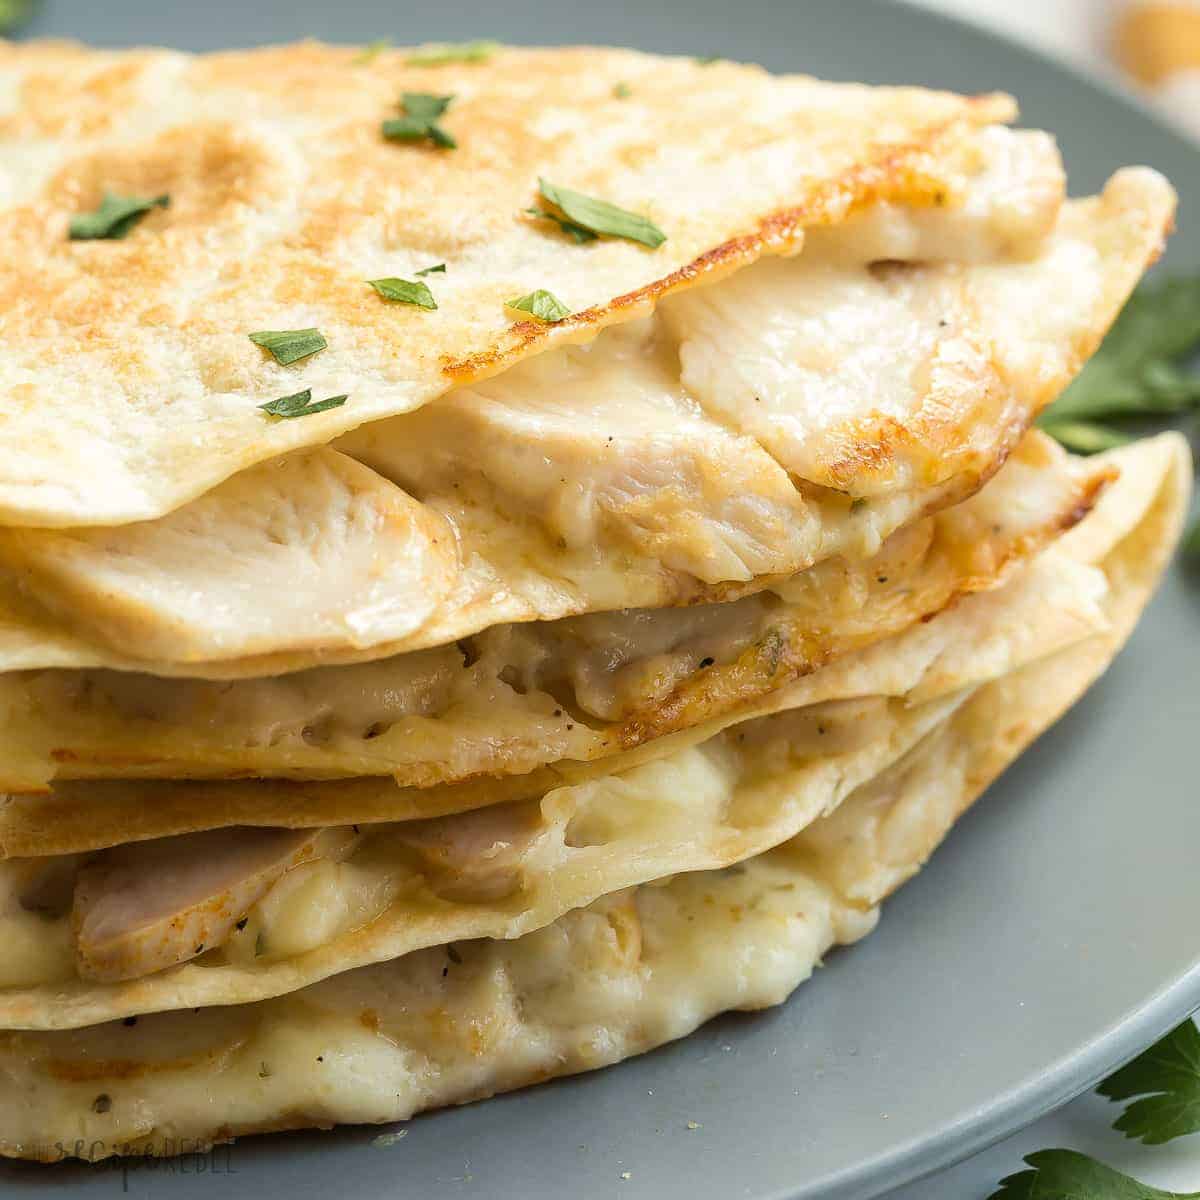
(404, 291)
(601, 217)
(541, 305)
(706, 60)
(371, 51)
(453, 52)
(115, 217)
(299, 405)
(622, 91)
(420, 120)
(1167, 1079)
(438, 269)
(289, 345)
(576, 231)
(1069, 1175)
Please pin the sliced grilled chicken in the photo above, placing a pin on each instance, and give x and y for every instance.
(314, 550)
(601, 447)
(476, 855)
(150, 905)
(881, 379)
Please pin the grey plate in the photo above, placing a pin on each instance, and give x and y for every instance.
(1051, 938)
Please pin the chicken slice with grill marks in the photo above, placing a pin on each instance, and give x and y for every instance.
(725, 434)
(147, 906)
(875, 380)
(310, 550)
(799, 386)
(476, 856)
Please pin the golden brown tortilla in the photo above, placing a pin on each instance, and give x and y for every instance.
(136, 383)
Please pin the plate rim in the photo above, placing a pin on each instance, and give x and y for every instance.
(1072, 1076)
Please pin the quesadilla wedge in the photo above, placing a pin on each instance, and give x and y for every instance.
(506, 554)
(636, 472)
(1055, 607)
(518, 697)
(464, 1021)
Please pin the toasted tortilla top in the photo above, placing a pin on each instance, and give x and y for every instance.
(130, 384)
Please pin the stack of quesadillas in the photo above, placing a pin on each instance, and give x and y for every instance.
(506, 555)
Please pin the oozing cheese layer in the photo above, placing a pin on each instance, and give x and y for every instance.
(517, 697)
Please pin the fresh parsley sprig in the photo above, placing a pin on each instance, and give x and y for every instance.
(1139, 370)
(1086, 437)
(14, 14)
(1191, 544)
(1164, 1084)
(1139, 373)
(1069, 1175)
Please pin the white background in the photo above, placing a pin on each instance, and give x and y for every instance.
(1077, 28)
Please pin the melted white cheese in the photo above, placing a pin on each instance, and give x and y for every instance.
(517, 697)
